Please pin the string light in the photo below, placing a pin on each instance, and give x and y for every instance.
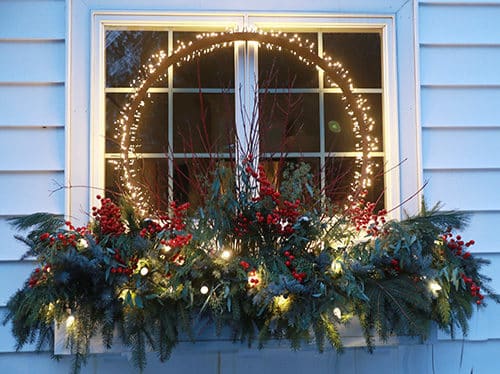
(144, 271)
(434, 287)
(226, 254)
(337, 312)
(204, 290)
(70, 321)
(156, 69)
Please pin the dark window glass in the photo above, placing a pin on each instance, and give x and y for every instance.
(127, 51)
(152, 134)
(339, 136)
(359, 53)
(289, 122)
(204, 123)
(279, 69)
(213, 70)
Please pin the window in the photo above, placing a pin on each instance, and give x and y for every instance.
(87, 91)
(192, 117)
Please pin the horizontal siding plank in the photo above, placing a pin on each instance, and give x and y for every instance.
(7, 341)
(443, 24)
(480, 229)
(460, 106)
(463, 189)
(25, 193)
(32, 61)
(484, 324)
(458, 357)
(32, 19)
(12, 277)
(456, 148)
(46, 105)
(20, 143)
(460, 2)
(11, 248)
(460, 65)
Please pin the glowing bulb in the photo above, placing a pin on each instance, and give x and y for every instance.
(282, 303)
(144, 271)
(165, 248)
(70, 321)
(226, 254)
(336, 267)
(337, 313)
(204, 290)
(434, 287)
(253, 278)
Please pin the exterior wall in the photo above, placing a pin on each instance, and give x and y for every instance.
(460, 118)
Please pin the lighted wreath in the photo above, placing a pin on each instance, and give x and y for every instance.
(264, 262)
(156, 70)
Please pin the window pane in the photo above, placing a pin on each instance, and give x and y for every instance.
(204, 123)
(279, 69)
(152, 177)
(192, 178)
(214, 70)
(339, 172)
(127, 51)
(274, 168)
(289, 122)
(359, 53)
(339, 136)
(152, 133)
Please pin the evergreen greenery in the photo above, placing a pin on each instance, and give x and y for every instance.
(266, 262)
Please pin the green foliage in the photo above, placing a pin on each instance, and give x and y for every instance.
(263, 262)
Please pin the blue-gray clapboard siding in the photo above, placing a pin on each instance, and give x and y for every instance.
(460, 118)
(32, 112)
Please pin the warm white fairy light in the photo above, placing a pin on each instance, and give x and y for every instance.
(226, 254)
(204, 290)
(144, 271)
(70, 321)
(337, 312)
(126, 128)
(434, 287)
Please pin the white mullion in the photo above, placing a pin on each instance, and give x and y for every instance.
(322, 160)
(170, 124)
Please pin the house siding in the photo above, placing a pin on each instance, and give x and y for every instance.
(460, 119)
(459, 50)
(32, 112)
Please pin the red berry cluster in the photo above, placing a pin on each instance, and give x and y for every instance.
(253, 279)
(83, 230)
(395, 265)
(109, 217)
(176, 222)
(456, 245)
(475, 290)
(59, 240)
(123, 267)
(245, 265)
(38, 276)
(151, 229)
(280, 219)
(289, 264)
(363, 217)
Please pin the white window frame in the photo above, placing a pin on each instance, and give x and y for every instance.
(85, 82)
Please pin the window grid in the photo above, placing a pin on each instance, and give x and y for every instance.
(170, 91)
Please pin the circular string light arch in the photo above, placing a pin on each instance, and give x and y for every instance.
(156, 70)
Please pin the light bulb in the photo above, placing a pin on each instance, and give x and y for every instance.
(204, 290)
(70, 321)
(144, 271)
(337, 313)
(226, 254)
